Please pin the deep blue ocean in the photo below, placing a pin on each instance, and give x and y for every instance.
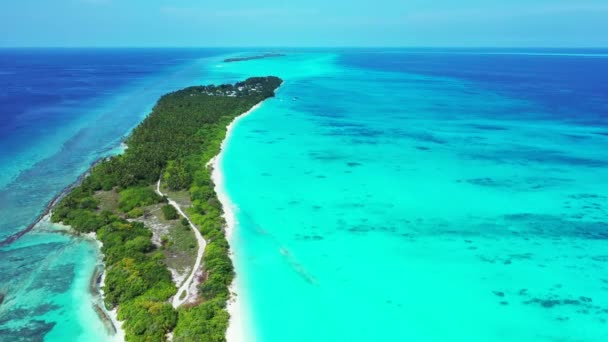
(384, 194)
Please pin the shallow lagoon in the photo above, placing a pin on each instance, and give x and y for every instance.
(378, 204)
(382, 195)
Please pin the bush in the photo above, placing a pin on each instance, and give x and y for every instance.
(164, 240)
(147, 319)
(83, 221)
(135, 212)
(169, 212)
(131, 198)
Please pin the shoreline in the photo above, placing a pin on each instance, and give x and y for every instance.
(235, 331)
(112, 315)
(96, 283)
(109, 318)
(50, 205)
(236, 328)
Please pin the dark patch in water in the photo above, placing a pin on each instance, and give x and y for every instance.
(366, 228)
(487, 127)
(297, 267)
(583, 304)
(334, 115)
(533, 183)
(353, 164)
(486, 181)
(309, 237)
(538, 156)
(423, 148)
(587, 196)
(521, 256)
(20, 313)
(555, 226)
(325, 155)
(505, 261)
(33, 332)
(550, 303)
(58, 281)
(419, 136)
(356, 132)
(341, 124)
(364, 141)
(498, 293)
(360, 229)
(576, 137)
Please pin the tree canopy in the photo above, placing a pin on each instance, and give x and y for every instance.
(184, 130)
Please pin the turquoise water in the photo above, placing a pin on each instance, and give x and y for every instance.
(401, 203)
(53, 300)
(382, 195)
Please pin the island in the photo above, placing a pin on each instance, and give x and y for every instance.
(242, 59)
(158, 219)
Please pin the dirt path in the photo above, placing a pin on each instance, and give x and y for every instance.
(199, 256)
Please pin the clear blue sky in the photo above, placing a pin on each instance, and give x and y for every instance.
(572, 23)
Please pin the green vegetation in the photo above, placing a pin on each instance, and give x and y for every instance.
(176, 175)
(175, 240)
(170, 212)
(176, 140)
(137, 197)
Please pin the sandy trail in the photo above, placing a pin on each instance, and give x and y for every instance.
(185, 287)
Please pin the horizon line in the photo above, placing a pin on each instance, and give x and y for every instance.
(297, 47)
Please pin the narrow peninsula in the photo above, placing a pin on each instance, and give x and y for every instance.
(156, 213)
(242, 59)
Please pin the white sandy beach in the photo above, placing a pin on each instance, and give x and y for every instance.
(112, 314)
(237, 331)
(236, 328)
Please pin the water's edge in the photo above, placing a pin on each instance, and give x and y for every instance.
(50, 205)
(236, 331)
